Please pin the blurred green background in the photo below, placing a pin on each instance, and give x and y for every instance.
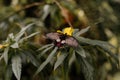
(103, 16)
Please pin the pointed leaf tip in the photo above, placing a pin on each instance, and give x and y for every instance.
(5, 54)
(16, 66)
(51, 55)
(82, 31)
(80, 51)
(60, 60)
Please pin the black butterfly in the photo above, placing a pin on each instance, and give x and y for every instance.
(61, 39)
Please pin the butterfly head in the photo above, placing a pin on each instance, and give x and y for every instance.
(60, 41)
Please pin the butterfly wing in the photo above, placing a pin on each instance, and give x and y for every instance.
(71, 41)
(53, 36)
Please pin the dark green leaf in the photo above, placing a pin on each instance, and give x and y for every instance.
(31, 57)
(75, 31)
(31, 35)
(86, 68)
(5, 54)
(44, 51)
(51, 55)
(80, 51)
(15, 45)
(72, 58)
(60, 59)
(93, 42)
(8, 73)
(45, 46)
(113, 56)
(104, 45)
(1, 57)
(16, 66)
(20, 34)
(82, 31)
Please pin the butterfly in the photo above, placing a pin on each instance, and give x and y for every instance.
(62, 39)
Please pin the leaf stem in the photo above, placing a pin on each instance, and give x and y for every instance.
(62, 9)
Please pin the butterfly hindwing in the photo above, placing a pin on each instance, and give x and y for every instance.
(71, 41)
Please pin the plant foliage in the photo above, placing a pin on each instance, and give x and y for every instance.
(12, 51)
(50, 40)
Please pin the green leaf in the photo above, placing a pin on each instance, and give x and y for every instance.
(115, 58)
(31, 57)
(31, 35)
(86, 68)
(20, 34)
(94, 42)
(1, 57)
(46, 11)
(11, 36)
(16, 66)
(51, 55)
(15, 45)
(44, 51)
(75, 31)
(72, 58)
(8, 73)
(82, 31)
(45, 46)
(5, 54)
(80, 51)
(60, 59)
(104, 45)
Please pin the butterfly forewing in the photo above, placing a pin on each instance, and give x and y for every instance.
(53, 36)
